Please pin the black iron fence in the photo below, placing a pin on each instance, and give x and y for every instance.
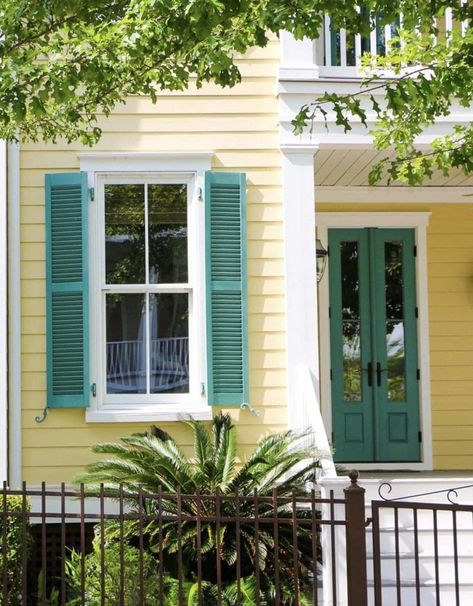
(102, 547)
(422, 551)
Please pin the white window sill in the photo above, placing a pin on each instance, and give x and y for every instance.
(146, 416)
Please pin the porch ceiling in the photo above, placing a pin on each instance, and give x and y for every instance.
(351, 167)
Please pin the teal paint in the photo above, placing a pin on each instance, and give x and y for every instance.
(226, 288)
(376, 424)
(67, 290)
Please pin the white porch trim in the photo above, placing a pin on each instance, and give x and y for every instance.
(300, 282)
(3, 315)
(14, 318)
(394, 194)
(414, 220)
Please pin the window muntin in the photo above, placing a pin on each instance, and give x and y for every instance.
(146, 291)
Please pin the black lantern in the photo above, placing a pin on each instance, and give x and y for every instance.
(321, 259)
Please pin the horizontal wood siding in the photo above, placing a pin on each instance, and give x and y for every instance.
(241, 126)
(450, 283)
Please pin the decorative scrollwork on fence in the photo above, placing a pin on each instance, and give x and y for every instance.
(451, 494)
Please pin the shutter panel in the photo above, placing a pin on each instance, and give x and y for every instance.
(67, 291)
(226, 279)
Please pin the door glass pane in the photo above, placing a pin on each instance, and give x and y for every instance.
(125, 234)
(351, 327)
(169, 343)
(395, 342)
(167, 227)
(126, 338)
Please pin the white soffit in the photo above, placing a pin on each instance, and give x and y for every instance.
(351, 167)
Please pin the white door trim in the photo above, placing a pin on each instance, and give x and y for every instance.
(413, 220)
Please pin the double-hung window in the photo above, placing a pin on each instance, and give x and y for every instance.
(146, 291)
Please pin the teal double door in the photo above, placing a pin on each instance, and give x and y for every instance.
(373, 331)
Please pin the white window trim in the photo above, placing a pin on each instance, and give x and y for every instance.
(413, 220)
(158, 167)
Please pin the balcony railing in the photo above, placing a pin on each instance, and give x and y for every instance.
(169, 364)
(342, 52)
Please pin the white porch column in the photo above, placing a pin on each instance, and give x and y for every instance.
(301, 281)
(3, 315)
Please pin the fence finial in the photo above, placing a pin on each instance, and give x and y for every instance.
(354, 475)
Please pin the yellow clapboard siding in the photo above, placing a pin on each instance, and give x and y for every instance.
(265, 267)
(450, 358)
(267, 341)
(452, 373)
(266, 322)
(447, 463)
(445, 433)
(240, 127)
(456, 447)
(244, 160)
(265, 286)
(445, 403)
(450, 388)
(33, 344)
(33, 306)
(34, 270)
(451, 328)
(259, 305)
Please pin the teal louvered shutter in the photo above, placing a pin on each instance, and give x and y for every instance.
(67, 291)
(226, 279)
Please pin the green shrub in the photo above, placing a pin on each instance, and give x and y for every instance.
(12, 562)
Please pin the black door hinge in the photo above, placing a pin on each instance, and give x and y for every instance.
(420, 436)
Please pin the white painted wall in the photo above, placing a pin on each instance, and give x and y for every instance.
(3, 315)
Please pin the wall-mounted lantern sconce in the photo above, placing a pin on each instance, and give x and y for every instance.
(320, 258)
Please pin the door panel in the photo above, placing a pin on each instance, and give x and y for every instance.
(373, 345)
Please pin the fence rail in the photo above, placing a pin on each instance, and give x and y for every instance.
(124, 548)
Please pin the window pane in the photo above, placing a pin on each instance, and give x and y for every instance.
(125, 234)
(351, 361)
(126, 338)
(167, 227)
(169, 346)
(395, 342)
(351, 325)
(396, 361)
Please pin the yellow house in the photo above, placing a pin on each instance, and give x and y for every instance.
(171, 270)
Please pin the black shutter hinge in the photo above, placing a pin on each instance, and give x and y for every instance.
(92, 193)
(415, 251)
(332, 438)
(418, 374)
(202, 389)
(331, 375)
(329, 312)
(420, 436)
(417, 312)
(93, 389)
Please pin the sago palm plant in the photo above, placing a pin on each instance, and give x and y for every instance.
(155, 463)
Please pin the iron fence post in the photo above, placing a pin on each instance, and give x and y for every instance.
(357, 585)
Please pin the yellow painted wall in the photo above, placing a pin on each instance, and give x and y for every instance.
(450, 283)
(240, 125)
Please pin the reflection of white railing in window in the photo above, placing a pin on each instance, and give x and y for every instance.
(169, 365)
(344, 51)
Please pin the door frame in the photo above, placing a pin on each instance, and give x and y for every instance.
(418, 221)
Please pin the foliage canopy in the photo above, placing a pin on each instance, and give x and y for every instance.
(64, 62)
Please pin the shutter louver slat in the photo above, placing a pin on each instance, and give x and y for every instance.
(226, 289)
(67, 290)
